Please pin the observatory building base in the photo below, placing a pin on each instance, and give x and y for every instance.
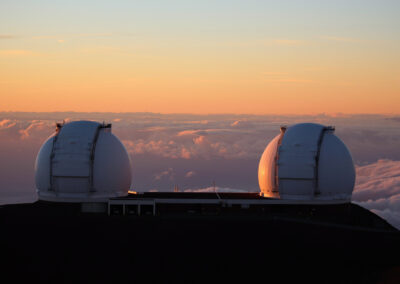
(57, 243)
(93, 207)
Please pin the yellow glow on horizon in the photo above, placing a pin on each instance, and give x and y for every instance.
(112, 79)
(200, 57)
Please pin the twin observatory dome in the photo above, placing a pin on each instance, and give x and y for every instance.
(84, 162)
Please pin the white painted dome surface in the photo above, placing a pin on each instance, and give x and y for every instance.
(83, 162)
(267, 169)
(307, 162)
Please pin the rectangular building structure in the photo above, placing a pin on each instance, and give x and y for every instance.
(203, 203)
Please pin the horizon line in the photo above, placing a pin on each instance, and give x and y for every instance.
(212, 113)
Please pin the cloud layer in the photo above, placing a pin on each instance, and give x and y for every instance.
(378, 189)
(196, 148)
(194, 151)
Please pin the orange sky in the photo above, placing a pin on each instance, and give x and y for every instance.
(222, 70)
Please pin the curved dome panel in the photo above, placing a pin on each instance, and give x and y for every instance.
(307, 162)
(336, 170)
(82, 161)
(112, 169)
(266, 169)
(42, 164)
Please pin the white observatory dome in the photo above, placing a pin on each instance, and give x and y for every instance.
(82, 162)
(307, 162)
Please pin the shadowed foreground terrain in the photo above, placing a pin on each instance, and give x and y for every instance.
(57, 243)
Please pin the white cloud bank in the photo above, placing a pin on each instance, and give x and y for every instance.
(378, 189)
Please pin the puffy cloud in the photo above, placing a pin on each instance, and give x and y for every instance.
(190, 174)
(9, 129)
(7, 123)
(190, 146)
(12, 129)
(242, 124)
(185, 153)
(34, 128)
(191, 132)
(378, 189)
(166, 149)
(377, 180)
(169, 173)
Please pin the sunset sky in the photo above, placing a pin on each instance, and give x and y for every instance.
(256, 57)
